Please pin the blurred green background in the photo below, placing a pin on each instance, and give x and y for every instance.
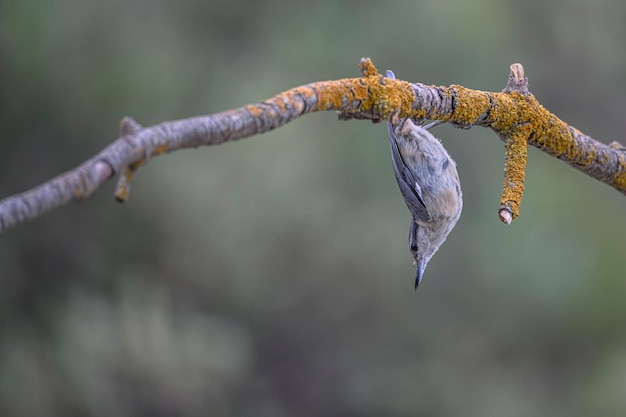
(271, 277)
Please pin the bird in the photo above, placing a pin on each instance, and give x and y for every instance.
(429, 182)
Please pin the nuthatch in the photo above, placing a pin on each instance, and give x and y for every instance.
(429, 183)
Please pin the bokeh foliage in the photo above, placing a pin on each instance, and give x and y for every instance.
(271, 277)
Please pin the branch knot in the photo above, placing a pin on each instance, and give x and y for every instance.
(517, 81)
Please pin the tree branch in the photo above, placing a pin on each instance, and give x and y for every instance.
(514, 114)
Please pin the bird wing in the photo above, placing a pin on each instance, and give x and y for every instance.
(404, 176)
(406, 180)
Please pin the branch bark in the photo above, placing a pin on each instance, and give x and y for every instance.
(514, 114)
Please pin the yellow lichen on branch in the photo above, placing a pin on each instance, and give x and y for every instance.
(515, 159)
(514, 114)
(469, 104)
(619, 180)
(375, 95)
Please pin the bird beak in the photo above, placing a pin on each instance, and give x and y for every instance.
(421, 266)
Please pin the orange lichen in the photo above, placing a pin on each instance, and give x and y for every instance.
(367, 67)
(254, 110)
(122, 190)
(373, 94)
(137, 164)
(470, 104)
(161, 149)
(509, 110)
(516, 157)
(619, 180)
(122, 193)
(397, 95)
